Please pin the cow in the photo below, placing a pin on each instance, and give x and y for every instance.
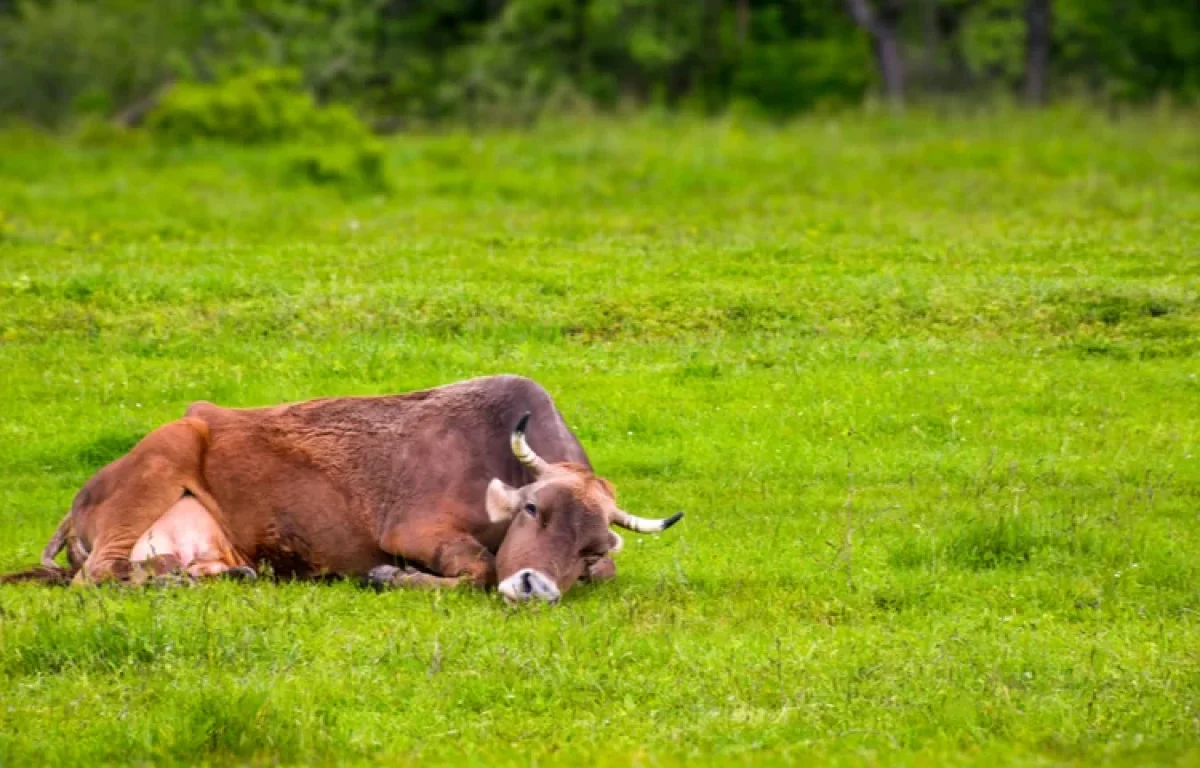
(478, 482)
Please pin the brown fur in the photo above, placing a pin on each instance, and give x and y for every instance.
(567, 538)
(332, 486)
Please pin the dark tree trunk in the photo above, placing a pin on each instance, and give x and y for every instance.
(579, 41)
(883, 27)
(957, 75)
(929, 36)
(1037, 49)
(707, 62)
(743, 21)
(891, 66)
(133, 114)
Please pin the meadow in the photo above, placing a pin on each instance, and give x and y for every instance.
(925, 387)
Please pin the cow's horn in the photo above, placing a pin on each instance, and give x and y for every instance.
(644, 524)
(525, 454)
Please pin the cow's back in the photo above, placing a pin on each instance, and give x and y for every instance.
(313, 486)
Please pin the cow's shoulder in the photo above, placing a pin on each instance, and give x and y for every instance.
(507, 388)
(504, 381)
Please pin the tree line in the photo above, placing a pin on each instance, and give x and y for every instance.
(421, 60)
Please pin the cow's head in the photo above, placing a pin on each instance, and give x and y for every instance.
(560, 526)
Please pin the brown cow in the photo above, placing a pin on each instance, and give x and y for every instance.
(430, 488)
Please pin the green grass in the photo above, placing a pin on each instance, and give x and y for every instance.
(926, 389)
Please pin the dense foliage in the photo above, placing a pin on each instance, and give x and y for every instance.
(401, 61)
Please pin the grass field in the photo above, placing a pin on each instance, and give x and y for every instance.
(927, 391)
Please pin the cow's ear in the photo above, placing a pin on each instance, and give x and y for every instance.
(503, 501)
(615, 542)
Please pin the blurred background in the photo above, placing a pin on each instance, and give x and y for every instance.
(250, 69)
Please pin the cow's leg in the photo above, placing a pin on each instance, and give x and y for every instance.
(161, 570)
(135, 492)
(189, 533)
(449, 553)
(385, 576)
(109, 558)
(211, 568)
(602, 569)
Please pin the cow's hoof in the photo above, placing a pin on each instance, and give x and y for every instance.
(171, 580)
(383, 576)
(241, 573)
(390, 577)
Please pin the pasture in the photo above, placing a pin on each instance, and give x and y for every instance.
(926, 389)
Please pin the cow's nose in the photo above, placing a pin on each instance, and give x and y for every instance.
(529, 584)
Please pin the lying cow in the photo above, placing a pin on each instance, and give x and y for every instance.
(358, 486)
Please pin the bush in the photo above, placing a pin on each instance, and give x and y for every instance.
(352, 168)
(63, 58)
(262, 107)
(794, 75)
(489, 60)
(95, 132)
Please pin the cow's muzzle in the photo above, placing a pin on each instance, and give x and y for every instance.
(528, 584)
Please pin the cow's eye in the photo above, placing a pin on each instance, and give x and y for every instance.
(531, 509)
